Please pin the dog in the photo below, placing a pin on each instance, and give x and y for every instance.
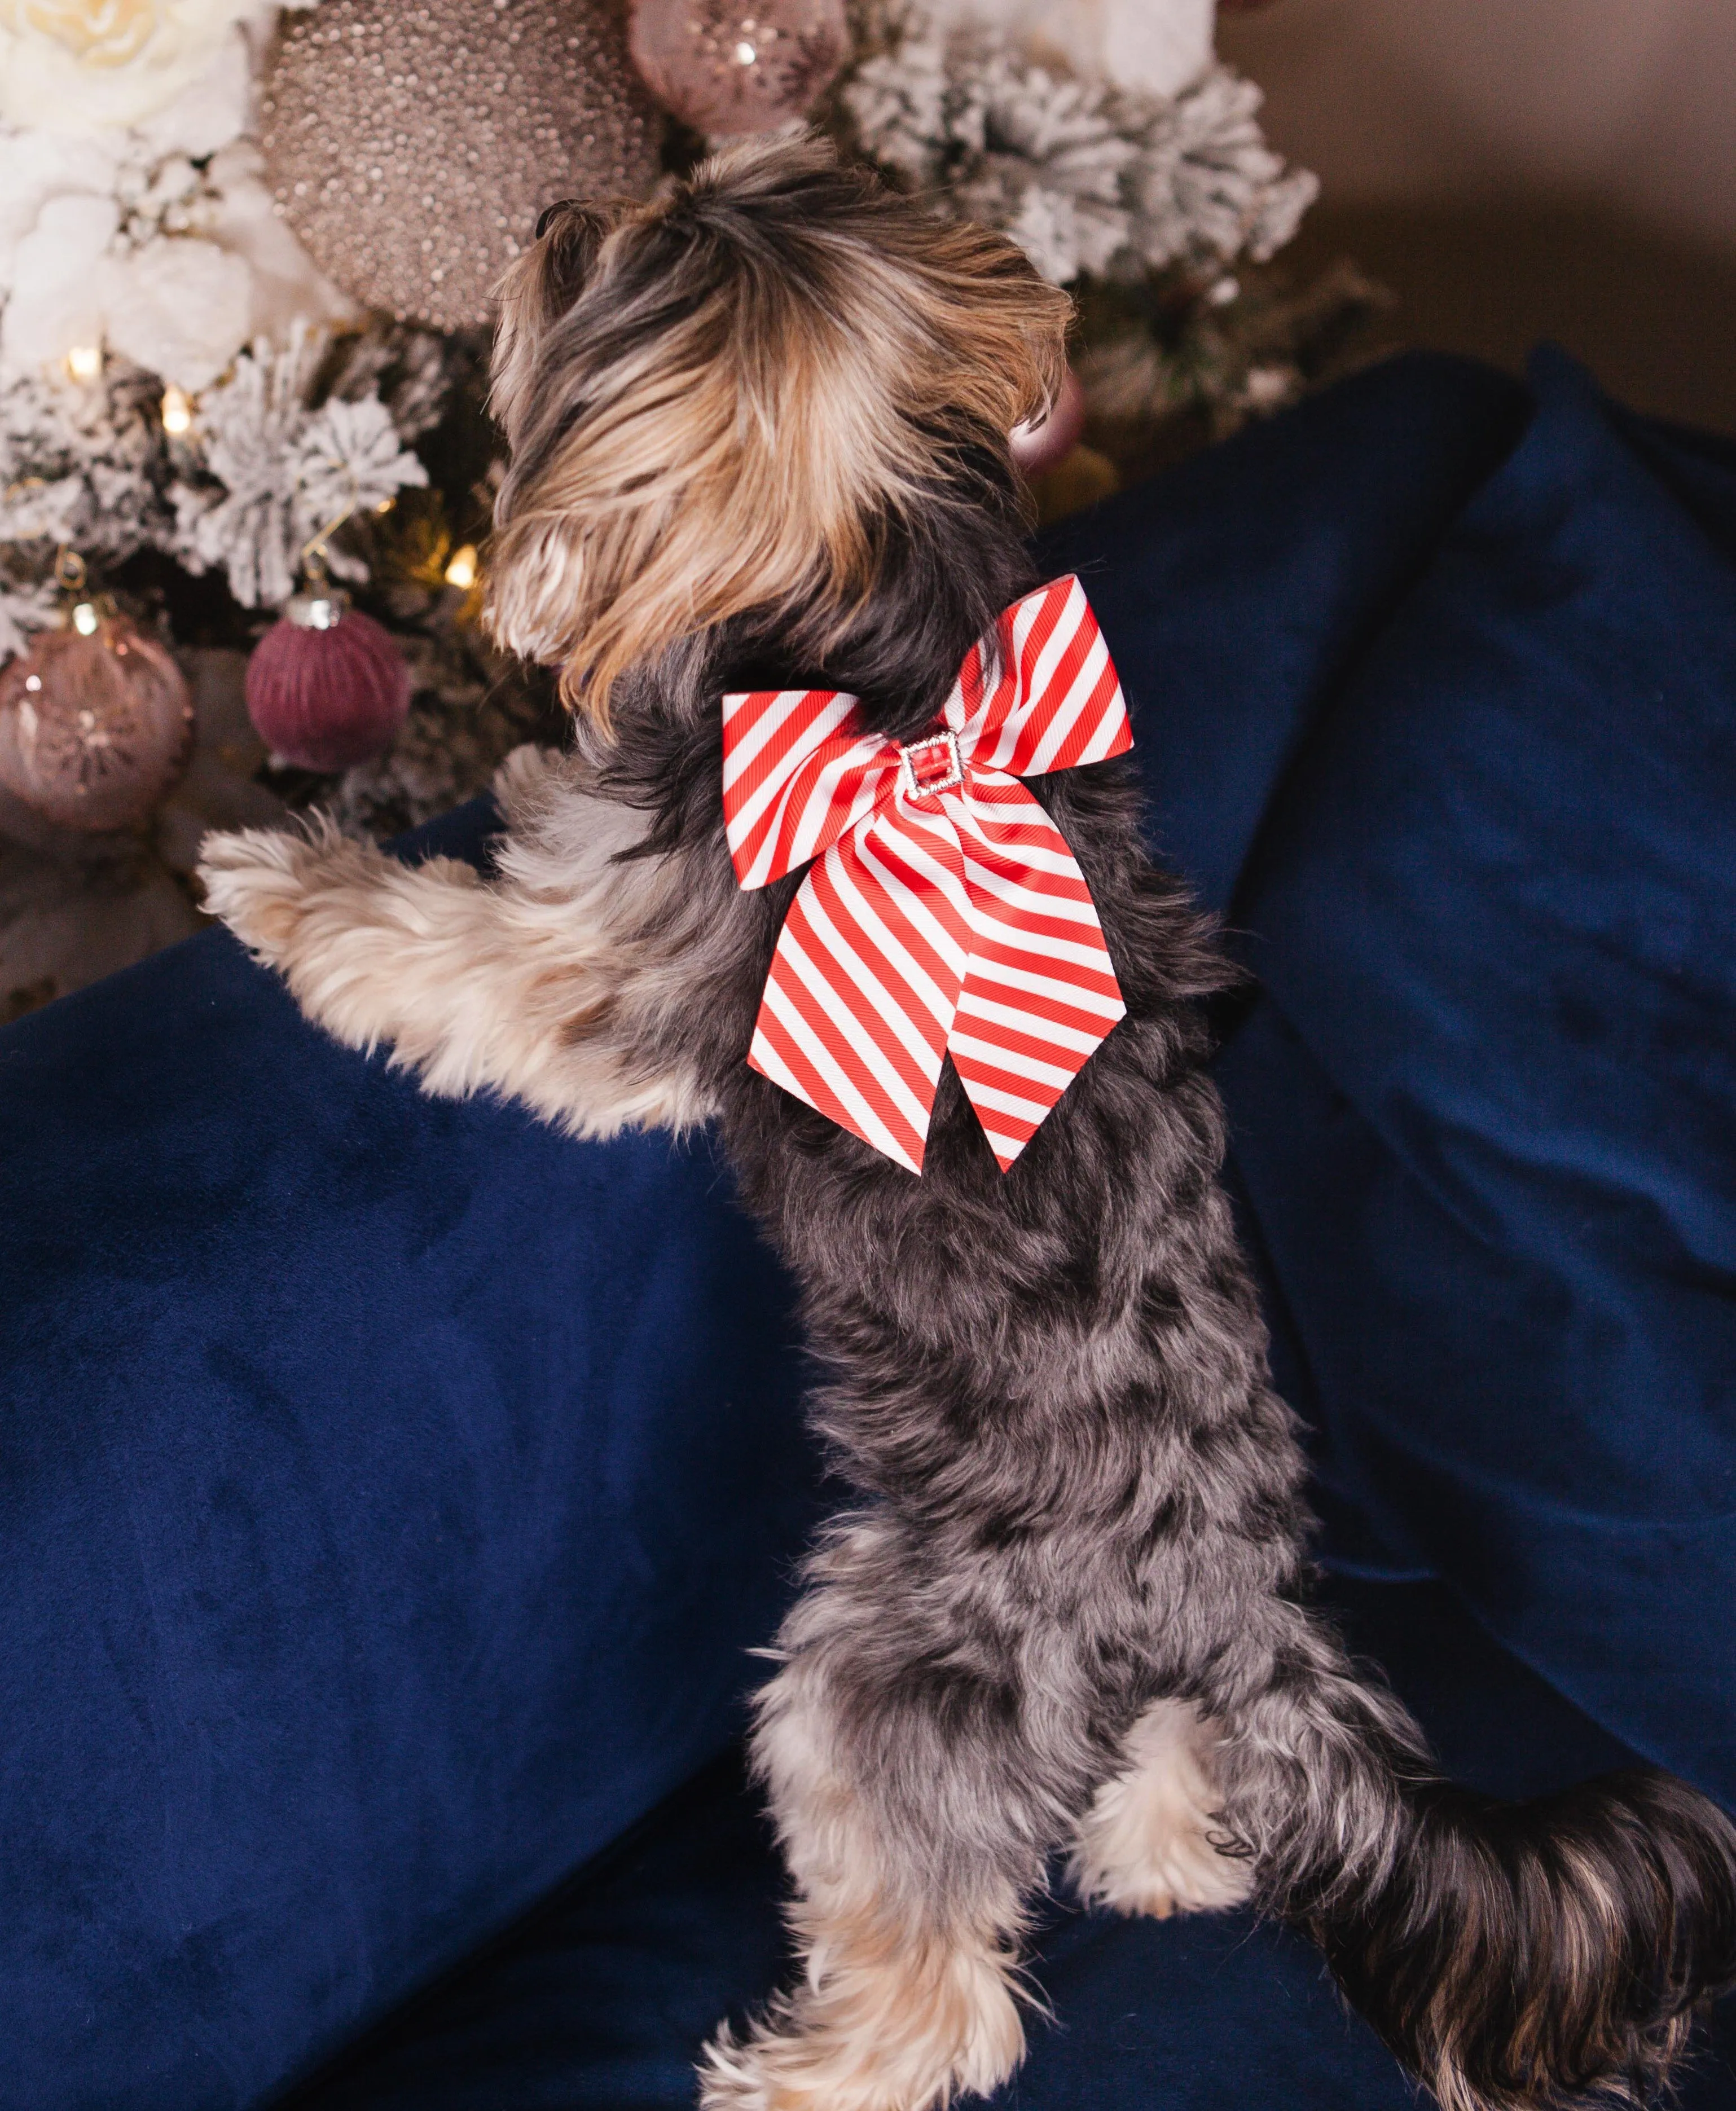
(759, 438)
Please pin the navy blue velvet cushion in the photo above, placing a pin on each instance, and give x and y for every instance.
(388, 1489)
(1486, 1115)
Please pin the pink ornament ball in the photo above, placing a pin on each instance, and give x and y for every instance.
(1039, 446)
(95, 723)
(326, 687)
(727, 67)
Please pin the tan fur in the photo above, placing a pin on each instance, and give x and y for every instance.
(1147, 1845)
(736, 457)
(476, 986)
(895, 2012)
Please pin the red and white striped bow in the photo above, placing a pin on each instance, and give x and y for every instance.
(946, 914)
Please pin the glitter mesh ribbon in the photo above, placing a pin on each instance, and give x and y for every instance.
(943, 914)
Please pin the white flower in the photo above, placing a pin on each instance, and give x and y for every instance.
(173, 265)
(56, 296)
(279, 473)
(87, 65)
(1156, 46)
(36, 166)
(178, 306)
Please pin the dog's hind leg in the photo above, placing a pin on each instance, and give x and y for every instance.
(917, 1782)
(1153, 1841)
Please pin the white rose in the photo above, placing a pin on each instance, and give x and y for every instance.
(56, 299)
(178, 307)
(83, 65)
(35, 166)
(214, 106)
(286, 282)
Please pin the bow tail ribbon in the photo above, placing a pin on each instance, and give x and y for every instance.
(968, 931)
(1040, 992)
(866, 980)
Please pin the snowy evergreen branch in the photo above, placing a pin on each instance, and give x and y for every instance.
(1087, 179)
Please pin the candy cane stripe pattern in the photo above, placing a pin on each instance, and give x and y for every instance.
(942, 913)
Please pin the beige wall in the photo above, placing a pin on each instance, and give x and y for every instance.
(1515, 169)
(1628, 102)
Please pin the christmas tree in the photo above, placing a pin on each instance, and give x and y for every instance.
(245, 464)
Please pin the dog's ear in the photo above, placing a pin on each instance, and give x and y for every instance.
(534, 292)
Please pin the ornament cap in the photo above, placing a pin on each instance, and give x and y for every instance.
(317, 608)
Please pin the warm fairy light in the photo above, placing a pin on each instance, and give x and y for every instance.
(84, 361)
(177, 411)
(386, 505)
(461, 571)
(85, 620)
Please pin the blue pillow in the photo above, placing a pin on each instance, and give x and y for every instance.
(389, 1491)
(1485, 1114)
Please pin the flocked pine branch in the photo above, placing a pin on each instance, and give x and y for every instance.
(1087, 178)
(274, 469)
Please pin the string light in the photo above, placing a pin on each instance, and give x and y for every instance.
(85, 620)
(84, 361)
(461, 571)
(177, 412)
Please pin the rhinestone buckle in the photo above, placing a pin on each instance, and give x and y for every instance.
(932, 765)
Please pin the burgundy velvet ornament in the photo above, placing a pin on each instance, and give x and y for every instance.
(326, 687)
(1039, 446)
(95, 721)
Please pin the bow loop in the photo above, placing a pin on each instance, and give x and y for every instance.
(943, 912)
(797, 772)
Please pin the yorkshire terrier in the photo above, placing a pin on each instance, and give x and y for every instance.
(759, 432)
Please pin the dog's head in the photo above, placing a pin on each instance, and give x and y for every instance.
(725, 400)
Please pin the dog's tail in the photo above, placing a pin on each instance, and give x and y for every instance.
(1516, 1956)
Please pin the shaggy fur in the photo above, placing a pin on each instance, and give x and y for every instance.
(759, 431)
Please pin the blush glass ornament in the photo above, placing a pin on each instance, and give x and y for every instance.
(410, 148)
(326, 687)
(95, 721)
(728, 67)
(1040, 447)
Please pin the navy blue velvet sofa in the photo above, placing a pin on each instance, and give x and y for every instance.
(390, 1492)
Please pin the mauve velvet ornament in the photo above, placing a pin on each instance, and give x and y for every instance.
(326, 687)
(95, 723)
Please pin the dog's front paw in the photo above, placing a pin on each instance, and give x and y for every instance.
(256, 880)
